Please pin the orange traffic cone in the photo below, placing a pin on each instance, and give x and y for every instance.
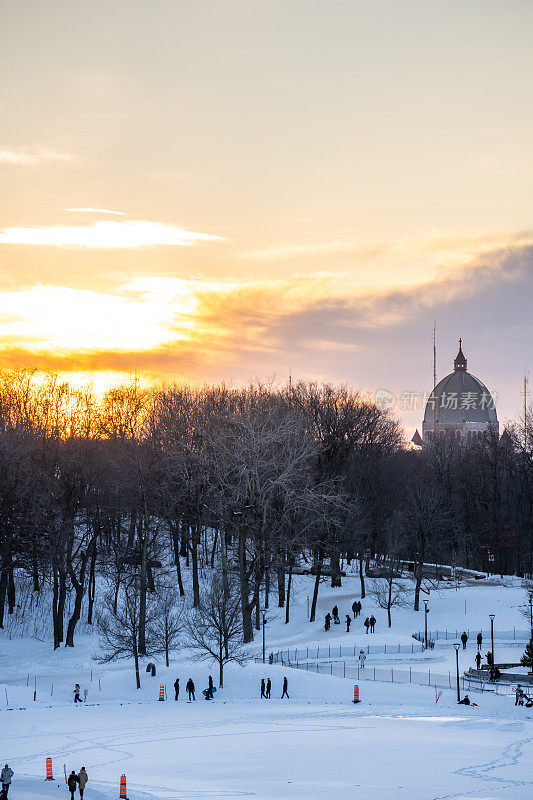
(161, 692)
(49, 773)
(356, 694)
(123, 795)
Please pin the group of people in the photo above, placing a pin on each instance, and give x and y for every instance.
(79, 780)
(369, 622)
(520, 696)
(266, 689)
(190, 689)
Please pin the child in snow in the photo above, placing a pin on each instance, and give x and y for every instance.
(77, 690)
(362, 658)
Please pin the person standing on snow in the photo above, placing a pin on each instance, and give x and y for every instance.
(519, 696)
(210, 687)
(268, 689)
(190, 689)
(285, 692)
(335, 612)
(478, 660)
(354, 608)
(176, 689)
(362, 658)
(372, 621)
(348, 623)
(464, 639)
(263, 689)
(366, 623)
(5, 777)
(327, 622)
(479, 641)
(72, 782)
(82, 780)
(77, 690)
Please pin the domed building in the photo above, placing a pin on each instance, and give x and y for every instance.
(460, 405)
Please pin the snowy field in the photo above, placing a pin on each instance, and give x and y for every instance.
(397, 743)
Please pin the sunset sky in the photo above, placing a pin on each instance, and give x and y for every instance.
(210, 190)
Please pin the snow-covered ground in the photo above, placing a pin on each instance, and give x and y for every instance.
(396, 743)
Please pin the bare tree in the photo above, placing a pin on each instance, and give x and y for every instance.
(168, 622)
(215, 627)
(119, 627)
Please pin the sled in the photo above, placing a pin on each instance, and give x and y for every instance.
(206, 692)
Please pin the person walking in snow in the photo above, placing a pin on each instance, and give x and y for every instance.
(519, 696)
(372, 621)
(263, 689)
(176, 689)
(77, 690)
(359, 607)
(479, 641)
(268, 688)
(362, 658)
(190, 689)
(327, 622)
(354, 608)
(5, 778)
(82, 780)
(464, 639)
(335, 612)
(285, 692)
(72, 782)
(348, 623)
(478, 660)
(366, 623)
(210, 687)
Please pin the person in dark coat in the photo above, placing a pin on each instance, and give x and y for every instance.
(210, 687)
(268, 688)
(190, 689)
(335, 612)
(465, 701)
(348, 623)
(77, 690)
(372, 621)
(263, 688)
(354, 608)
(72, 782)
(488, 656)
(359, 607)
(464, 639)
(285, 692)
(176, 689)
(478, 660)
(479, 641)
(327, 622)
(366, 623)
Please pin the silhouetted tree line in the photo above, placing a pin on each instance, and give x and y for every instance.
(250, 484)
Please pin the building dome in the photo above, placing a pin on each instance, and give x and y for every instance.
(459, 405)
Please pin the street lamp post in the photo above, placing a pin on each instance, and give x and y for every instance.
(264, 647)
(531, 612)
(426, 623)
(457, 645)
(491, 617)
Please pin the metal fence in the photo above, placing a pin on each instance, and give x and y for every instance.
(454, 635)
(289, 656)
(383, 674)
